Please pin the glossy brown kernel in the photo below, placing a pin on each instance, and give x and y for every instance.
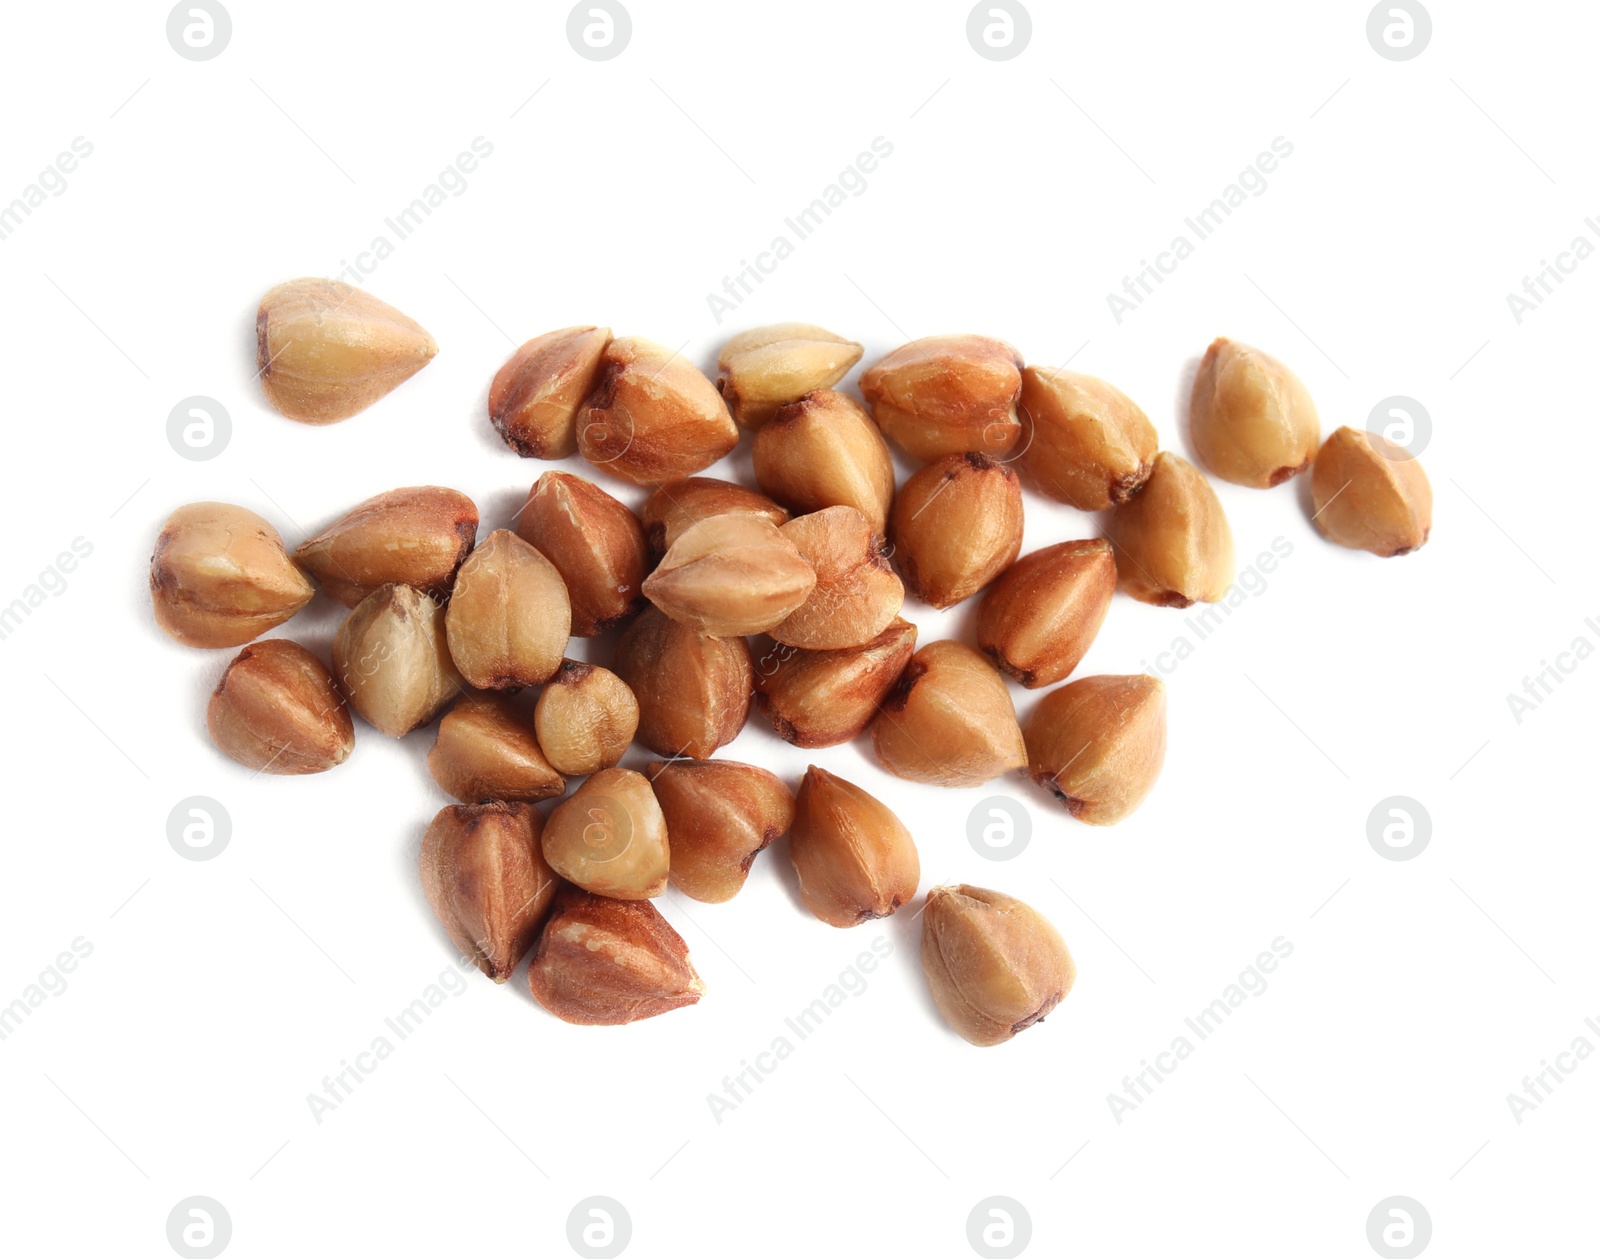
(855, 859)
(693, 689)
(485, 751)
(679, 504)
(856, 594)
(392, 661)
(604, 961)
(414, 537)
(994, 965)
(949, 720)
(1370, 494)
(1084, 442)
(731, 575)
(220, 576)
(1098, 744)
(586, 718)
(609, 837)
(825, 451)
(509, 618)
(764, 368)
(596, 544)
(534, 399)
(277, 711)
(816, 699)
(1251, 420)
(326, 351)
(1040, 616)
(487, 881)
(720, 815)
(947, 395)
(956, 525)
(652, 416)
(1172, 541)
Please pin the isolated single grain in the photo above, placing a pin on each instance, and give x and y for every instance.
(326, 351)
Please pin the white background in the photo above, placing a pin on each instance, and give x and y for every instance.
(1019, 193)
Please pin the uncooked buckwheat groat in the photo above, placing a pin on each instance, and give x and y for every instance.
(326, 351)
(949, 720)
(586, 718)
(816, 699)
(1084, 442)
(534, 400)
(392, 661)
(487, 881)
(947, 395)
(1371, 495)
(720, 815)
(509, 617)
(1172, 540)
(956, 525)
(857, 594)
(651, 416)
(1098, 744)
(825, 451)
(606, 962)
(1041, 615)
(413, 537)
(680, 504)
(765, 368)
(485, 751)
(595, 542)
(995, 966)
(277, 711)
(220, 577)
(693, 689)
(1251, 420)
(854, 857)
(729, 576)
